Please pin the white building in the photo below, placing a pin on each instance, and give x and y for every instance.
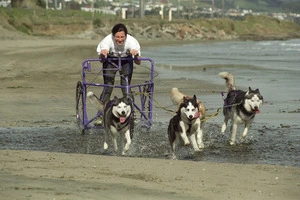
(4, 3)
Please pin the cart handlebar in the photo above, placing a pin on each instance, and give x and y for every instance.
(119, 54)
(86, 64)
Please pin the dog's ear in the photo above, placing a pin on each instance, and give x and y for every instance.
(128, 100)
(259, 95)
(114, 100)
(256, 91)
(194, 98)
(249, 94)
(184, 99)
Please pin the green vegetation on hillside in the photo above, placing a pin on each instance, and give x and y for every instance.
(254, 5)
(50, 22)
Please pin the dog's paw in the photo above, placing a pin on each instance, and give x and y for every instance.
(124, 152)
(186, 141)
(89, 94)
(201, 145)
(105, 146)
(187, 144)
(95, 101)
(173, 157)
(223, 128)
(242, 139)
(232, 143)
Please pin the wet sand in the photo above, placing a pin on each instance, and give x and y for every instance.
(38, 90)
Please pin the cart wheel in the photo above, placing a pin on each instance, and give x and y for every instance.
(79, 106)
(148, 101)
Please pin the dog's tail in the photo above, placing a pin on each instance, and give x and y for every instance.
(229, 80)
(176, 96)
(95, 101)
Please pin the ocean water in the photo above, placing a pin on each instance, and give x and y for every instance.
(265, 54)
(271, 66)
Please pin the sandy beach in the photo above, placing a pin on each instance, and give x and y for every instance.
(38, 81)
(45, 175)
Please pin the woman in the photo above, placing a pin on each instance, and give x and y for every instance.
(117, 41)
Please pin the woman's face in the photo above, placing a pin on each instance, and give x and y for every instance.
(120, 37)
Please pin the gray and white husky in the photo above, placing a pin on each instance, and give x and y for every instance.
(186, 123)
(117, 119)
(239, 106)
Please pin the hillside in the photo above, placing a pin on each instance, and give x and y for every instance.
(50, 23)
(254, 5)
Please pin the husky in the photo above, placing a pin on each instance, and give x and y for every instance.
(186, 123)
(177, 99)
(240, 107)
(117, 119)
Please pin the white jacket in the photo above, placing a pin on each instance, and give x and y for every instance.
(109, 43)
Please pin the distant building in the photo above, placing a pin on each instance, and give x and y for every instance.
(4, 3)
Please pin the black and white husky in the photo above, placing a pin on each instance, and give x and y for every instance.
(186, 123)
(239, 106)
(117, 119)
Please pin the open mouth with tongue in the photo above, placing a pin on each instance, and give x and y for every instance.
(256, 111)
(197, 114)
(122, 119)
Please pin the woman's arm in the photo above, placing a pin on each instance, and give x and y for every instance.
(104, 46)
(135, 49)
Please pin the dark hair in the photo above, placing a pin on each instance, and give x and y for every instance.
(119, 28)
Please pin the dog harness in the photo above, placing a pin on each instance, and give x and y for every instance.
(226, 105)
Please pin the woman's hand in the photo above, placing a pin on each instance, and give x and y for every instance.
(135, 55)
(104, 53)
(134, 52)
(136, 61)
